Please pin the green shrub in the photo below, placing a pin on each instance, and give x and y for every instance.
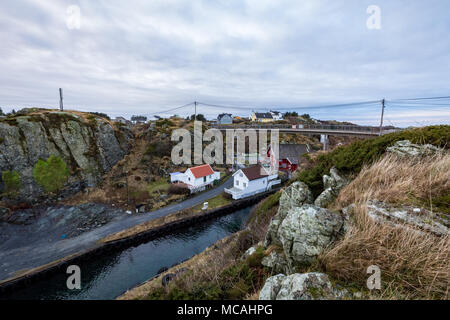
(11, 180)
(350, 159)
(51, 174)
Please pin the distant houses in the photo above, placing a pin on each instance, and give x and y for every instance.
(262, 117)
(251, 181)
(224, 118)
(196, 179)
(122, 120)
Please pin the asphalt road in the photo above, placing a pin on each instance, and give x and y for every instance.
(32, 255)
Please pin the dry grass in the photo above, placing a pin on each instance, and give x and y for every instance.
(405, 181)
(413, 264)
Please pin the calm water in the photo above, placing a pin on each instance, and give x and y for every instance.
(108, 276)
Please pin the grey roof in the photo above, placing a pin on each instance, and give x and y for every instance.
(266, 115)
(220, 116)
(292, 152)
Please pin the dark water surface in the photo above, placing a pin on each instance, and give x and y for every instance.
(110, 275)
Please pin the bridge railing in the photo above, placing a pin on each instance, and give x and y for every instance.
(311, 127)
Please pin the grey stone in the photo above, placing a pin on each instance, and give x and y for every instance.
(307, 231)
(276, 261)
(407, 216)
(306, 286)
(296, 195)
(333, 184)
(405, 148)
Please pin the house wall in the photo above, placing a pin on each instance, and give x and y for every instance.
(241, 182)
(225, 120)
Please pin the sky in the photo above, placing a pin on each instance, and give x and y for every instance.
(147, 57)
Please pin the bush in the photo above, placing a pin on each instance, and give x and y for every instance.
(11, 180)
(51, 174)
(350, 159)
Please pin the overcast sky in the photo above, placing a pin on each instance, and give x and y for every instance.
(140, 57)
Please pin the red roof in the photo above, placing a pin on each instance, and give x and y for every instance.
(202, 171)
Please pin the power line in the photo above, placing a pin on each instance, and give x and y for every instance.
(418, 99)
(170, 110)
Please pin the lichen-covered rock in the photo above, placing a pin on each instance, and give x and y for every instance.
(405, 148)
(306, 286)
(407, 216)
(276, 261)
(89, 148)
(306, 232)
(296, 195)
(333, 185)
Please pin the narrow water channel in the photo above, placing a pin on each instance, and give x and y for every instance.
(108, 276)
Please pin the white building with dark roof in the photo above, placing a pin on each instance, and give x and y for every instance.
(250, 181)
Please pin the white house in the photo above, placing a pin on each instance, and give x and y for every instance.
(251, 181)
(276, 115)
(196, 178)
(225, 118)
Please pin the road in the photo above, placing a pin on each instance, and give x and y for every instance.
(32, 255)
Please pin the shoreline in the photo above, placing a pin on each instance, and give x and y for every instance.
(44, 271)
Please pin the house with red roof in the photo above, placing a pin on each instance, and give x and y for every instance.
(196, 178)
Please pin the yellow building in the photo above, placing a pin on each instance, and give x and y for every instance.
(262, 117)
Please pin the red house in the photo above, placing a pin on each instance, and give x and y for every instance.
(290, 155)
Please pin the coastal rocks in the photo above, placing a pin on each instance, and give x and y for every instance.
(407, 149)
(333, 185)
(306, 286)
(306, 232)
(296, 195)
(417, 218)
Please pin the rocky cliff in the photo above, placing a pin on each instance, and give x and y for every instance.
(88, 144)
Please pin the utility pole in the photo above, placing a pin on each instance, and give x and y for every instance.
(61, 106)
(195, 104)
(382, 115)
(128, 196)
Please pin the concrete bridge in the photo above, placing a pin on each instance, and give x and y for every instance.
(313, 129)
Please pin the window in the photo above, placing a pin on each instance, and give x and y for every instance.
(204, 179)
(245, 185)
(237, 182)
(241, 175)
(264, 181)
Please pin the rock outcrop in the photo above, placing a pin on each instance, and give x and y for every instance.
(417, 218)
(333, 184)
(306, 286)
(307, 231)
(405, 148)
(296, 195)
(89, 146)
(276, 261)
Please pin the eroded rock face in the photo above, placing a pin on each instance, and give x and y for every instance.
(89, 149)
(407, 149)
(306, 286)
(307, 231)
(333, 185)
(296, 195)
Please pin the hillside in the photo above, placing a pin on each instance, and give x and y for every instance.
(379, 203)
(88, 144)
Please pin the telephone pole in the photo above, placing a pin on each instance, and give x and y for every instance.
(382, 115)
(61, 106)
(195, 104)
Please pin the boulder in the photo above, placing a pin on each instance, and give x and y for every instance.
(405, 148)
(306, 232)
(276, 261)
(295, 195)
(333, 184)
(306, 286)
